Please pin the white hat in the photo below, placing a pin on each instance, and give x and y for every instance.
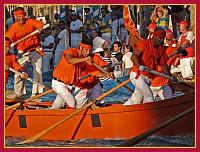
(98, 50)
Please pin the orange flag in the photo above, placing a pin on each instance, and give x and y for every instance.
(128, 22)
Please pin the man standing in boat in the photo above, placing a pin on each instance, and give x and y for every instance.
(147, 55)
(76, 62)
(28, 50)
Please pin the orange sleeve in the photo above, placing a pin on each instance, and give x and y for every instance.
(36, 23)
(169, 51)
(97, 59)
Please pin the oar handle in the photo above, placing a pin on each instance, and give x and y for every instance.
(179, 51)
(29, 99)
(137, 139)
(100, 68)
(162, 75)
(27, 36)
(170, 78)
(29, 79)
(172, 54)
(88, 75)
(84, 77)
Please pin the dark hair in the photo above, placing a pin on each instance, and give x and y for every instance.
(30, 8)
(105, 8)
(106, 50)
(118, 43)
(87, 41)
(119, 56)
(62, 22)
(129, 47)
(19, 8)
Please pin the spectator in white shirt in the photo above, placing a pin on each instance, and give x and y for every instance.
(48, 47)
(98, 42)
(62, 42)
(76, 29)
(126, 60)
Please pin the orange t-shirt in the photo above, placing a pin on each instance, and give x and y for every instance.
(69, 73)
(16, 32)
(161, 81)
(92, 80)
(12, 62)
(150, 56)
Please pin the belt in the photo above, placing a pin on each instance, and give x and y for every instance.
(62, 81)
(31, 50)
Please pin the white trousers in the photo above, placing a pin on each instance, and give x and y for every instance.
(107, 37)
(25, 58)
(186, 65)
(75, 100)
(164, 92)
(46, 61)
(64, 95)
(142, 90)
(84, 95)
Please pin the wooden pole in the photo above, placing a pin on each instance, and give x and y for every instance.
(27, 36)
(170, 78)
(29, 99)
(133, 141)
(40, 134)
(31, 80)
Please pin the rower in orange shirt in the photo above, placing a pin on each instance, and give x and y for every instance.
(160, 85)
(11, 62)
(91, 88)
(147, 55)
(26, 50)
(75, 62)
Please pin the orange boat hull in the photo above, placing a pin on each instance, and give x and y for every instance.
(113, 121)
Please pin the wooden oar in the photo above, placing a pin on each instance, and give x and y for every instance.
(137, 139)
(29, 99)
(126, 87)
(31, 80)
(40, 134)
(27, 36)
(170, 78)
(178, 51)
(100, 68)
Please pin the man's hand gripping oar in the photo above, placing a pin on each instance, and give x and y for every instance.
(27, 36)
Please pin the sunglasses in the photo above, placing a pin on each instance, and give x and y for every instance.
(168, 39)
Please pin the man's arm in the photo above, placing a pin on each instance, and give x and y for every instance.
(57, 40)
(135, 57)
(166, 70)
(105, 44)
(72, 60)
(81, 29)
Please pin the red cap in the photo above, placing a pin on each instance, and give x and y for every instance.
(169, 36)
(184, 23)
(152, 25)
(168, 31)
